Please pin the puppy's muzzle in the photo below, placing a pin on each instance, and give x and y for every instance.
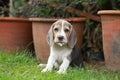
(60, 38)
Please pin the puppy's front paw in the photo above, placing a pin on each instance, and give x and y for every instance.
(46, 70)
(61, 71)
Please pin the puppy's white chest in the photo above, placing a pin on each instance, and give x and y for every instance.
(60, 53)
(60, 56)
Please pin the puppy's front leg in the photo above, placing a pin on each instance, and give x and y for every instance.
(50, 63)
(64, 66)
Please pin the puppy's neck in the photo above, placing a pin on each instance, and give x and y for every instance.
(58, 49)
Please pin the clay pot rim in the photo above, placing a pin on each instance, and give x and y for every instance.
(13, 19)
(104, 12)
(73, 19)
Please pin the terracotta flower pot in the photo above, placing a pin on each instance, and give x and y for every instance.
(40, 29)
(111, 37)
(15, 34)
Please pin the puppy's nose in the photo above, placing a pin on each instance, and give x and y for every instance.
(60, 38)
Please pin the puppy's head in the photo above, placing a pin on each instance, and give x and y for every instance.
(62, 33)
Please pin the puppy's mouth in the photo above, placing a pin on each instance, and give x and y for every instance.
(60, 43)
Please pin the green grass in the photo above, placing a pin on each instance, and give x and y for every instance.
(25, 67)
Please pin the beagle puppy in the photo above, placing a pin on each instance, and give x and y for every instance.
(62, 39)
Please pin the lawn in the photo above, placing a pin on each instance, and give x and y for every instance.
(25, 67)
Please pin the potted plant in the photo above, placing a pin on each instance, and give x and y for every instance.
(48, 12)
(15, 34)
(111, 37)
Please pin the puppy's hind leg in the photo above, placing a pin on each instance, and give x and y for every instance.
(42, 65)
(56, 65)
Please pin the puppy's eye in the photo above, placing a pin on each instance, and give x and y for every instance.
(66, 30)
(56, 29)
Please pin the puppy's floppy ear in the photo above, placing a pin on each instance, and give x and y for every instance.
(73, 38)
(50, 35)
